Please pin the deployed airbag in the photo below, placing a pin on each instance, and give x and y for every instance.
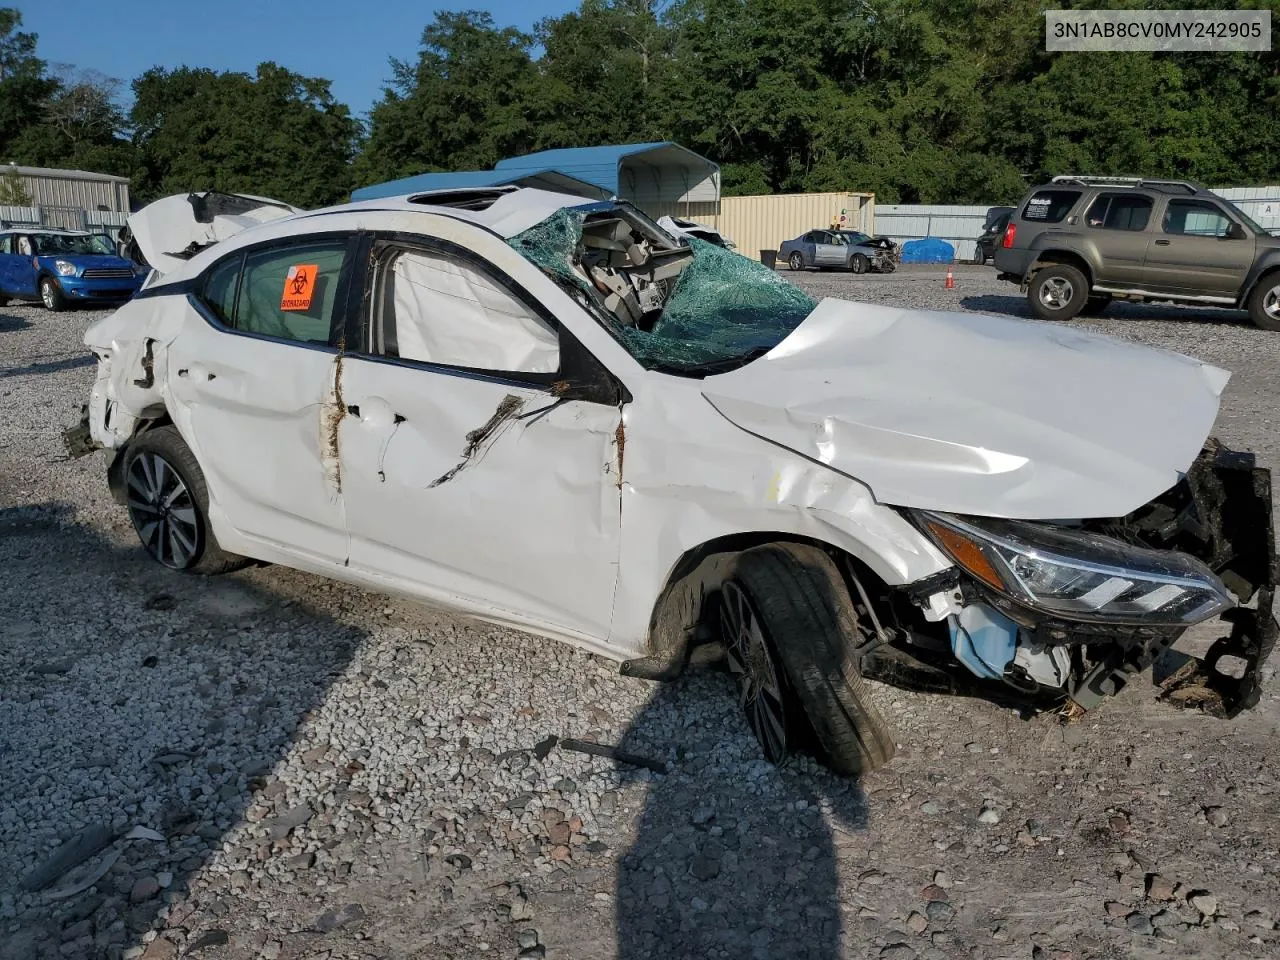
(447, 311)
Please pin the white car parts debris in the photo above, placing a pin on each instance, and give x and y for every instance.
(554, 414)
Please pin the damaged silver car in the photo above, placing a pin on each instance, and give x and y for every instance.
(553, 414)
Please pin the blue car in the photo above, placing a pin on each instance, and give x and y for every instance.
(62, 267)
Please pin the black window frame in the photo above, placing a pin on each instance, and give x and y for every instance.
(1111, 197)
(1196, 201)
(1075, 194)
(577, 364)
(339, 322)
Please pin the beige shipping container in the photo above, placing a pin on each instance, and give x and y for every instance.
(763, 222)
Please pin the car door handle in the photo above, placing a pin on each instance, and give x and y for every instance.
(1162, 243)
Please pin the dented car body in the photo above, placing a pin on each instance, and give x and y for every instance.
(551, 413)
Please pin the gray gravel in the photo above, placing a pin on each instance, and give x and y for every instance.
(323, 772)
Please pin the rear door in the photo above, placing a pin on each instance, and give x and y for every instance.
(252, 377)
(1117, 224)
(1195, 251)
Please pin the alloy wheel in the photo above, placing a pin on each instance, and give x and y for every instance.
(1056, 293)
(1271, 303)
(758, 675)
(46, 294)
(162, 511)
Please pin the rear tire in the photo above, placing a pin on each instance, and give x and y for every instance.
(979, 258)
(168, 504)
(1058, 292)
(859, 263)
(796, 261)
(51, 295)
(1264, 303)
(800, 607)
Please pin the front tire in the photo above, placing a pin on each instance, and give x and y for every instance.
(1058, 292)
(51, 295)
(979, 256)
(168, 504)
(1264, 303)
(858, 263)
(796, 260)
(788, 626)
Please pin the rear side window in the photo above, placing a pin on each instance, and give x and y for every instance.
(1120, 211)
(287, 293)
(1050, 206)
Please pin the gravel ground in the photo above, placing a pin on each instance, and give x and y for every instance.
(269, 764)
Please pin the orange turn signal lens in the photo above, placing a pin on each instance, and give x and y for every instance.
(966, 553)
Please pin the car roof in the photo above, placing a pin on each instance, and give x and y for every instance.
(506, 211)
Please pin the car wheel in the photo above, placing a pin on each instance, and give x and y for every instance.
(1095, 306)
(1058, 292)
(888, 266)
(858, 263)
(169, 505)
(51, 295)
(787, 625)
(1264, 303)
(796, 260)
(979, 256)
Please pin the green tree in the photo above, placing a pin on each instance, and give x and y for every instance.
(276, 134)
(25, 85)
(465, 104)
(13, 192)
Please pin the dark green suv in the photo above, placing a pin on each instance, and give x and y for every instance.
(1078, 243)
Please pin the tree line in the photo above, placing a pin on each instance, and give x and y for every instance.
(920, 101)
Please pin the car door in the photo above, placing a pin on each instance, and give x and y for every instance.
(19, 277)
(251, 375)
(468, 480)
(830, 253)
(1199, 251)
(1117, 225)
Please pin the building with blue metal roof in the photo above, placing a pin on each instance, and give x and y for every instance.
(660, 177)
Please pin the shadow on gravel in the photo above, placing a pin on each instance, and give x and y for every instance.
(139, 698)
(9, 322)
(731, 858)
(1017, 307)
(51, 366)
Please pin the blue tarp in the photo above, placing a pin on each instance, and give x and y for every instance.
(928, 250)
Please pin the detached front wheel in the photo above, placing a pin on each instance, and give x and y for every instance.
(787, 624)
(169, 505)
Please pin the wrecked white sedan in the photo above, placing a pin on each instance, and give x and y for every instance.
(550, 413)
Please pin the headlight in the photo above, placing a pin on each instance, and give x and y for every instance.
(64, 268)
(1079, 575)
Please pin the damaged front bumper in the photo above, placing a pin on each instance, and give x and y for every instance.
(1021, 648)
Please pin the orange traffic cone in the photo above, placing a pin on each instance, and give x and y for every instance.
(951, 279)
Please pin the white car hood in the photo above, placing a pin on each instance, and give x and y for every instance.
(977, 414)
(164, 228)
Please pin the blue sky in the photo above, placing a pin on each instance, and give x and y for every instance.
(347, 42)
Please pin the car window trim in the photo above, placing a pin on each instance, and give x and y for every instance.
(193, 288)
(1164, 214)
(377, 244)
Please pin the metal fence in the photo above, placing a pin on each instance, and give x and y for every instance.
(960, 226)
(68, 218)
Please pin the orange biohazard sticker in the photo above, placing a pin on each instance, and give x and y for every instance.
(299, 285)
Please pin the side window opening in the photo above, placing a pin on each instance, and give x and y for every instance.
(1111, 211)
(1195, 218)
(1050, 206)
(219, 289)
(432, 307)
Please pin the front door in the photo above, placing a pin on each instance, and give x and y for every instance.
(1196, 253)
(17, 271)
(830, 253)
(466, 481)
(251, 376)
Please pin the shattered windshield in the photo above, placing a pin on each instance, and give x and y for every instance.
(687, 308)
(48, 244)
